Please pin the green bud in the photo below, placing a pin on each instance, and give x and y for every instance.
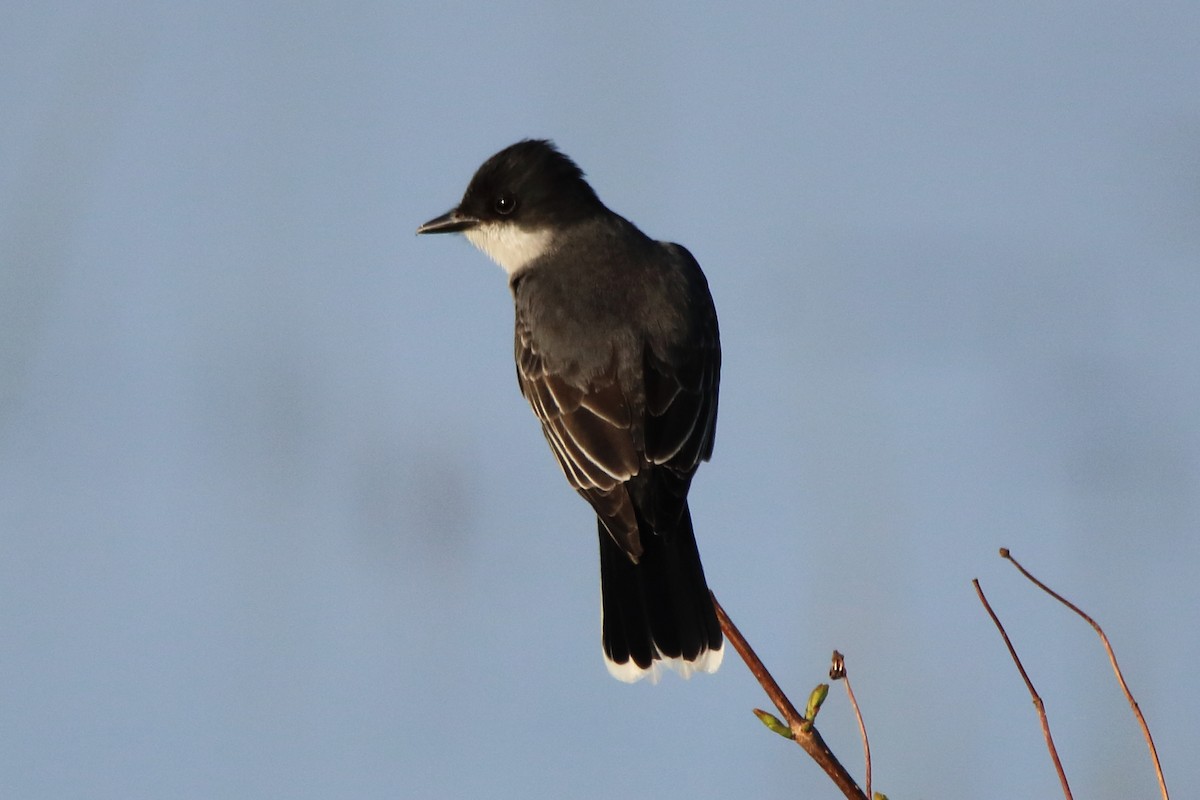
(773, 722)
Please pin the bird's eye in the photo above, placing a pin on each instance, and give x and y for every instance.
(505, 204)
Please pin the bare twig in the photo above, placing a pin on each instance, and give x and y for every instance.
(1037, 700)
(1112, 658)
(837, 671)
(804, 734)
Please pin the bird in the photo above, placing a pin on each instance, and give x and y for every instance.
(618, 352)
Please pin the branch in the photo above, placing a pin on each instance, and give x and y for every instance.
(1112, 658)
(1037, 700)
(838, 672)
(802, 730)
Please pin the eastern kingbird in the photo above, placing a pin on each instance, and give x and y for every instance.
(618, 353)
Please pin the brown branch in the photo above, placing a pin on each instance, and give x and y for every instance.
(837, 672)
(1112, 659)
(1037, 700)
(804, 734)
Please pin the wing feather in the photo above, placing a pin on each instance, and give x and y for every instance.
(587, 421)
(681, 401)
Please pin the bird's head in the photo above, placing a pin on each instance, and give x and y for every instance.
(518, 201)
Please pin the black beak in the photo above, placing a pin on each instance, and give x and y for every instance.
(451, 222)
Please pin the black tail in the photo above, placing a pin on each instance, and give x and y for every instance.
(659, 608)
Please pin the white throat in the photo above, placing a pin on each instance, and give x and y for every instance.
(508, 245)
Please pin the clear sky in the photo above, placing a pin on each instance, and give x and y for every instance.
(276, 522)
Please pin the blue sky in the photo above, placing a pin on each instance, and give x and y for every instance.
(276, 522)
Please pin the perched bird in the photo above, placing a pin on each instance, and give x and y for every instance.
(618, 352)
